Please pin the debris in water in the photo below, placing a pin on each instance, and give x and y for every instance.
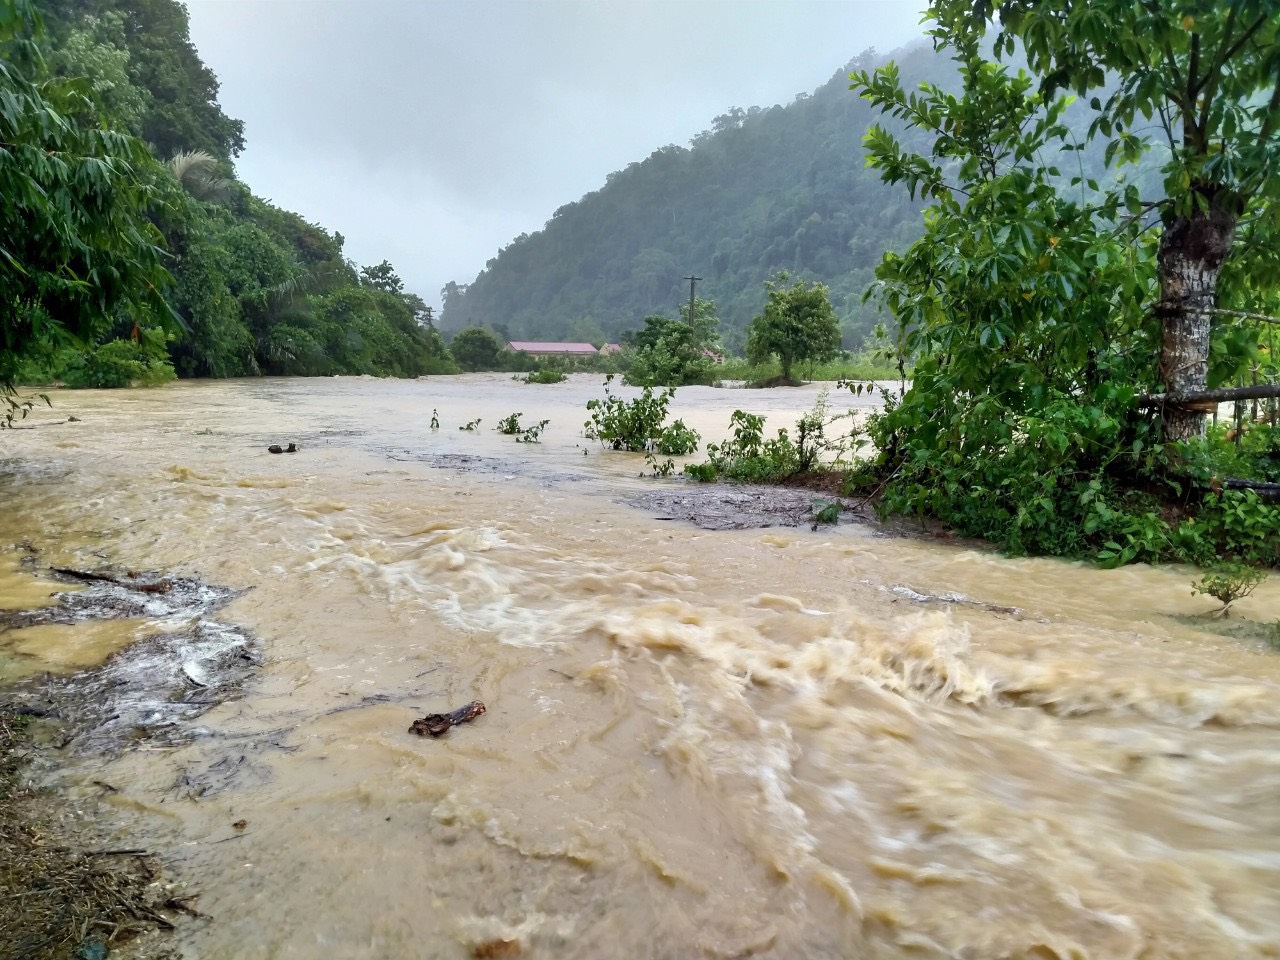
(437, 724)
(956, 598)
(153, 688)
(276, 448)
(491, 949)
(64, 897)
(131, 581)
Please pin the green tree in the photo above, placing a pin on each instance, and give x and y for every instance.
(94, 49)
(1028, 306)
(382, 277)
(797, 324)
(184, 114)
(672, 353)
(476, 349)
(76, 247)
(1206, 75)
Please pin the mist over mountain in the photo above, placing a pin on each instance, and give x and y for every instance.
(762, 191)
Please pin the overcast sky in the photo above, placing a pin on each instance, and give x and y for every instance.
(432, 133)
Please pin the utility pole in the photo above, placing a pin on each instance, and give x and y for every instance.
(693, 285)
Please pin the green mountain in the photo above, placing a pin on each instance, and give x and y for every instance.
(764, 190)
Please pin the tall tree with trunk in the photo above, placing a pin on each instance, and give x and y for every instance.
(797, 324)
(1205, 74)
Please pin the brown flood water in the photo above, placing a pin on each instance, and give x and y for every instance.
(698, 744)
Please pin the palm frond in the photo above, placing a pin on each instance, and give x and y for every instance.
(195, 170)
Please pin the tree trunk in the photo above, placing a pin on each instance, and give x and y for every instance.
(1192, 251)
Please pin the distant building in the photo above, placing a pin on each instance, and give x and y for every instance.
(611, 348)
(535, 348)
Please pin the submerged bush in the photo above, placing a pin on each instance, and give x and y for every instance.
(820, 445)
(639, 424)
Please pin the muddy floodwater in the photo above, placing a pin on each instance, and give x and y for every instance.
(769, 742)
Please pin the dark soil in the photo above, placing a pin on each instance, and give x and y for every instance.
(734, 506)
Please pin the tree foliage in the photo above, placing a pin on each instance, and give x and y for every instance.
(181, 110)
(673, 353)
(476, 349)
(1206, 76)
(91, 218)
(77, 250)
(797, 324)
(1037, 304)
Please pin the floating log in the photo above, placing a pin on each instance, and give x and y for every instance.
(159, 586)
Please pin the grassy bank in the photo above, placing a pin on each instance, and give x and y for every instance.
(855, 367)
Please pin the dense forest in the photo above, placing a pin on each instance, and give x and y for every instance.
(247, 288)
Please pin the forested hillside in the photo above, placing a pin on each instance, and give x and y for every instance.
(251, 288)
(764, 190)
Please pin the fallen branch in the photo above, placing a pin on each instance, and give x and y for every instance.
(437, 724)
(1198, 398)
(160, 586)
(1265, 491)
(956, 598)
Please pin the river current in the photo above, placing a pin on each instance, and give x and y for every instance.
(775, 743)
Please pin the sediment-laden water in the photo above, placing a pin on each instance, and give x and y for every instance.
(774, 742)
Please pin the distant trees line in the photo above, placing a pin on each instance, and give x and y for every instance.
(796, 325)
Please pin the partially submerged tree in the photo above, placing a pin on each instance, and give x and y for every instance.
(674, 352)
(797, 324)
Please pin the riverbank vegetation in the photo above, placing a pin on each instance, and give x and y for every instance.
(1066, 333)
(132, 254)
(864, 365)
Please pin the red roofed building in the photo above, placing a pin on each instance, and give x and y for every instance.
(538, 349)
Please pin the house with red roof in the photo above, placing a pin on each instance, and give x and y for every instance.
(536, 348)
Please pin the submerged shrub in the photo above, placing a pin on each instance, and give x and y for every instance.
(639, 424)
